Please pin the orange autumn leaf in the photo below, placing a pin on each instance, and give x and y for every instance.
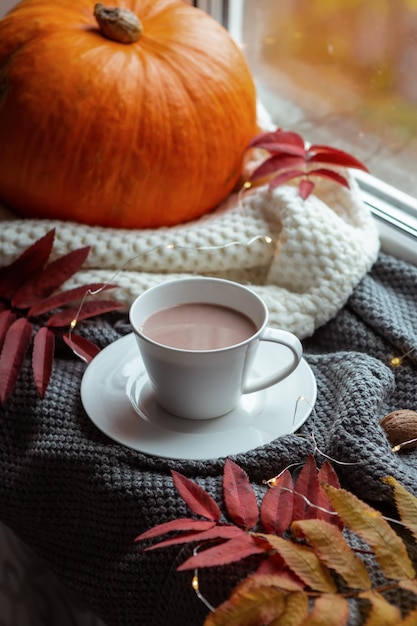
(252, 602)
(409, 620)
(370, 525)
(329, 610)
(304, 563)
(296, 610)
(410, 585)
(382, 613)
(332, 549)
(406, 504)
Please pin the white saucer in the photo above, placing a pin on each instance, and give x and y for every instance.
(118, 399)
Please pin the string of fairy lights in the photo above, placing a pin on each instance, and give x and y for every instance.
(264, 239)
(394, 361)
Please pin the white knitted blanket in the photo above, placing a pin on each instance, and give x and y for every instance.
(303, 257)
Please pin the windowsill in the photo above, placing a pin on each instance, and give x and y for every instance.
(396, 216)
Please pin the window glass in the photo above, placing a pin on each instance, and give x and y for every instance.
(5, 5)
(341, 72)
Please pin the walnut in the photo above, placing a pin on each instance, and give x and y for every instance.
(401, 429)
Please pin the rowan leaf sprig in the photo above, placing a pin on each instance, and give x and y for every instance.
(291, 157)
(28, 291)
(297, 533)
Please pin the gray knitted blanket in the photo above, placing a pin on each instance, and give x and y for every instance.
(79, 499)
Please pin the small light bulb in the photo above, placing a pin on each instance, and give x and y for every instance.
(396, 361)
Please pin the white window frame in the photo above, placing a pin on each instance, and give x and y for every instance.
(394, 211)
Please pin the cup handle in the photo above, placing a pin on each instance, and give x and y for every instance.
(286, 339)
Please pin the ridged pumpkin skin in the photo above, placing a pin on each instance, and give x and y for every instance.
(136, 135)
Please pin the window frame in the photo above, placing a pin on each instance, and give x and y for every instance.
(394, 211)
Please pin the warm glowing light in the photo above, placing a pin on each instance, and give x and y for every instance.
(396, 361)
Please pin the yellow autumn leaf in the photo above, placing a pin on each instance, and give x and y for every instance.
(389, 549)
(249, 607)
(409, 620)
(328, 610)
(332, 549)
(304, 563)
(409, 585)
(296, 610)
(382, 612)
(406, 504)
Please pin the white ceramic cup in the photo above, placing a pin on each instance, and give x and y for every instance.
(204, 384)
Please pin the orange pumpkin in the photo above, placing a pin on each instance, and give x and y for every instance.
(104, 121)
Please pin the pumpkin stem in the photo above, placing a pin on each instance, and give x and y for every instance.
(118, 24)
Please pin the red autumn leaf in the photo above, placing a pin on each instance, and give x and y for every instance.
(14, 350)
(273, 564)
(88, 309)
(331, 175)
(196, 498)
(305, 188)
(185, 524)
(42, 358)
(277, 505)
(239, 497)
(283, 138)
(29, 263)
(6, 320)
(65, 297)
(226, 552)
(286, 150)
(82, 347)
(306, 491)
(215, 533)
(333, 156)
(328, 476)
(290, 159)
(284, 177)
(26, 290)
(278, 163)
(43, 284)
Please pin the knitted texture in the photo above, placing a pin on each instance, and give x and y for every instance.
(315, 253)
(79, 499)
